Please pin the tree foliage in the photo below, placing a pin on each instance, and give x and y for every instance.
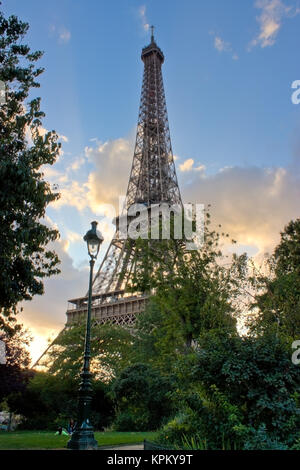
(235, 390)
(50, 401)
(14, 373)
(194, 291)
(142, 398)
(110, 351)
(278, 288)
(257, 374)
(24, 194)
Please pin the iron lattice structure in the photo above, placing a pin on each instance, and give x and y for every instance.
(152, 180)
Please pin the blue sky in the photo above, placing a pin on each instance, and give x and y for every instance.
(93, 74)
(228, 72)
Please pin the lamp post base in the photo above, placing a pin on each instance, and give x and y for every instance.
(83, 439)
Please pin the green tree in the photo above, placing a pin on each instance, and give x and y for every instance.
(278, 287)
(14, 364)
(287, 253)
(236, 392)
(141, 395)
(110, 351)
(24, 194)
(257, 376)
(149, 337)
(50, 400)
(194, 291)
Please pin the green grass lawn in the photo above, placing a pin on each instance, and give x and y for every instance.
(48, 440)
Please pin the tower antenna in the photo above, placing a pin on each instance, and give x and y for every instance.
(152, 33)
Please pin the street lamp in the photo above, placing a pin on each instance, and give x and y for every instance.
(83, 436)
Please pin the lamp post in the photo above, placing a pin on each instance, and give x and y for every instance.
(83, 436)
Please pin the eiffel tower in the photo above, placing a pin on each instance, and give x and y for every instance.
(152, 180)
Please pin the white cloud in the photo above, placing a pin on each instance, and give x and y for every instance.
(62, 34)
(54, 176)
(273, 12)
(142, 14)
(188, 165)
(63, 138)
(252, 204)
(112, 160)
(100, 191)
(74, 236)
(72, 193)
(223, 46)
(77, 164)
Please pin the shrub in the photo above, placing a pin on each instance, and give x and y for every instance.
(183, 424)
(256, 377)
(296, 445)
(141, 395)
(49, 401)
(130, 420)
(209, 420)
(260, 439)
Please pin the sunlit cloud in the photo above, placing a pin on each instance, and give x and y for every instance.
(47, 312)
(77, 163)
(252, 204)
(54, 176)
(188, 165)
(72, 193)
(41, 338)
(107, 173)
(273, 12)
(74, 236)
(112, 160)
